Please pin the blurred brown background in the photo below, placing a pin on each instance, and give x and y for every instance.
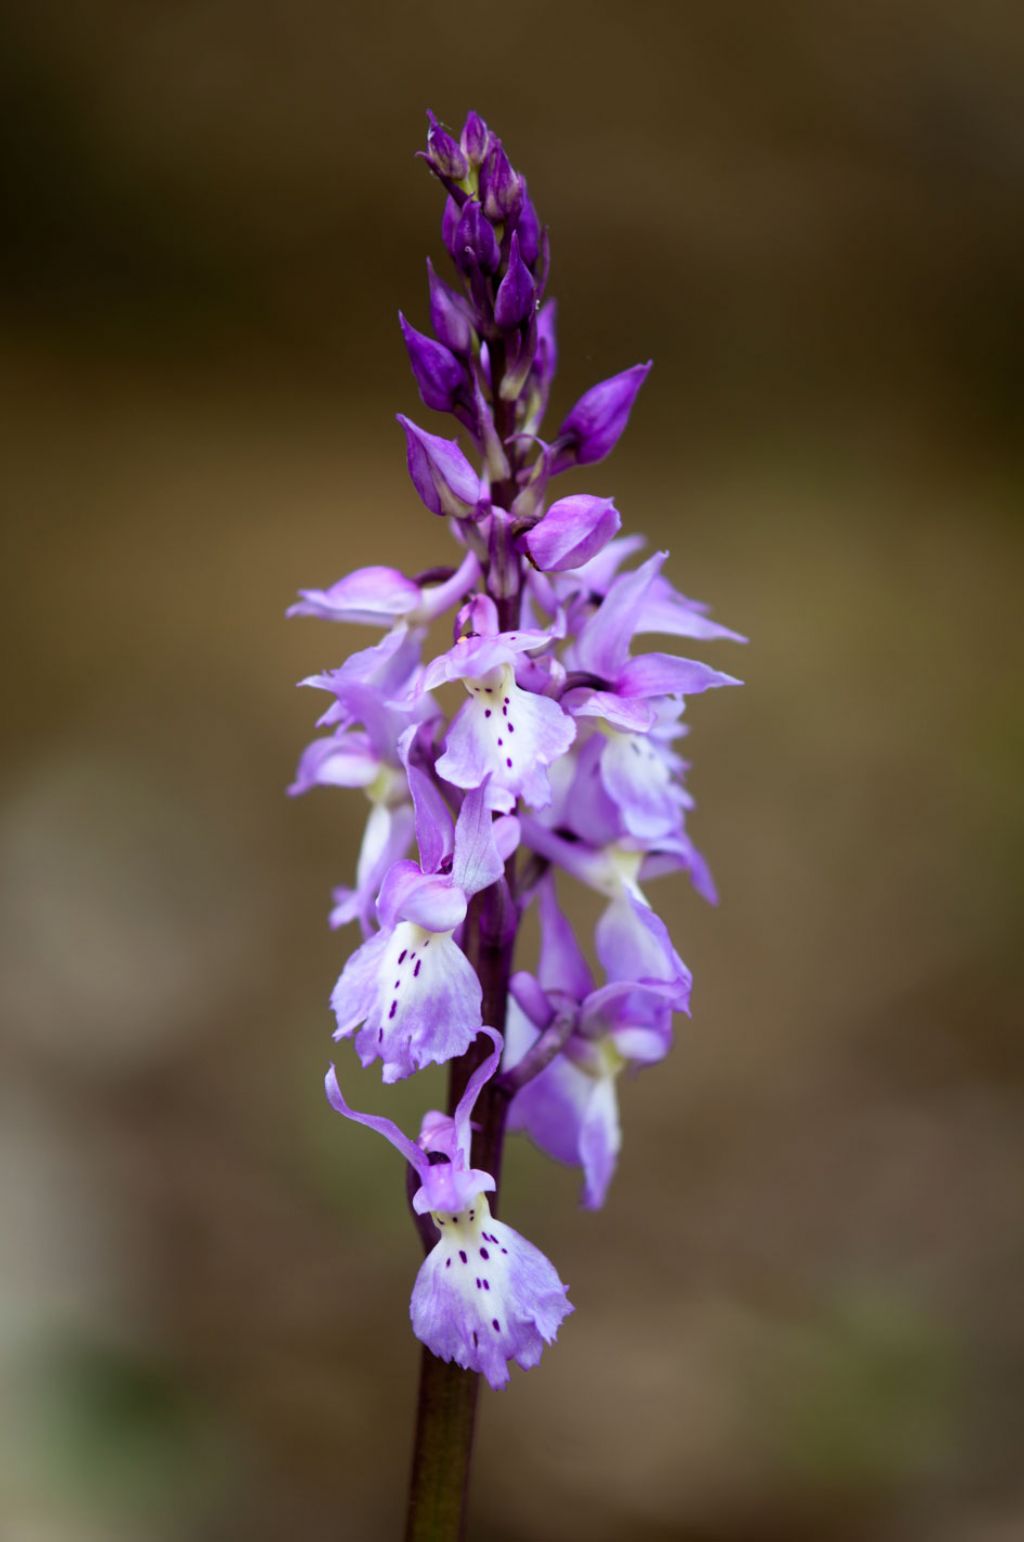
(800, 1314)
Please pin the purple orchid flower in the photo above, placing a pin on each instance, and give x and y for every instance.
(628, 684)
(484, 1296)
(570, 1110)
(411, 984)
(504, 733)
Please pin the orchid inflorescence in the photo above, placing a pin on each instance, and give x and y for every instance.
(561, 759)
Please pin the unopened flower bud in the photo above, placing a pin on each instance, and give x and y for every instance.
(475, 138)
(596, 423)
(475, 242)
(516, 296)
(439, 375)
(441, 474)
(501, 189)
(522, 345)
(528, 228)
(450, 227)
(448, 314)
(443, 153)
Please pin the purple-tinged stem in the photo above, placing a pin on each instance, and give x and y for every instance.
(446, 1408)
(445, 1421)
(447, 1401)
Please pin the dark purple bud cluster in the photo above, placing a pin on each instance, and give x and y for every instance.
(492, 357)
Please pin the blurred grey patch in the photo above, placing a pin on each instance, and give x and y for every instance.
(127, 913)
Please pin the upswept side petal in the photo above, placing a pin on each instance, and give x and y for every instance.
(386, 1127)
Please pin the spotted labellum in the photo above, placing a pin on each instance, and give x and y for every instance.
(531, 747)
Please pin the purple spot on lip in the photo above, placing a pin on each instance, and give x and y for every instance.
(401, 956)
(511, 728)
(397, 984)
(508, 761)
(419, 966)
(506, 700)
(476, 1339)
(496, 1325)
(484, 1253)
(380, 1034)
(487, 1285)
(394, 1009)
(487, 712)
(500, 743)
(462, 1255)
(447, 1263)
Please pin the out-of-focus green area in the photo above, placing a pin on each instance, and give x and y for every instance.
(799, 1315)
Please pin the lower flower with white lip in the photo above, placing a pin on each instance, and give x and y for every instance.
(484, 1296)
(411, 984)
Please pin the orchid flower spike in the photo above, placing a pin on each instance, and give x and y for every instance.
(541, 743)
